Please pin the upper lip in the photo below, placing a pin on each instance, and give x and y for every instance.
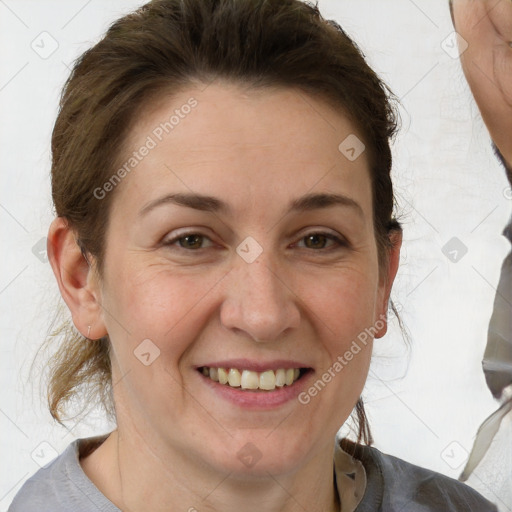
(255, 366)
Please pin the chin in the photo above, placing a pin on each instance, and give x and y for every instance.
(257, 454)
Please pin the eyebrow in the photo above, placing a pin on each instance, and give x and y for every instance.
(207, 203)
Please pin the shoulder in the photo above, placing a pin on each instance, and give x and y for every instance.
(61, 486)
(395, 485)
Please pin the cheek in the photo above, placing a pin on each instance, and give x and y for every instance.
(167, 310)
(344, 319)
(156, 305)
(342, 309)
(155, 301)
(343, 298)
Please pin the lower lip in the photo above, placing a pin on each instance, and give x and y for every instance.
(261, 400)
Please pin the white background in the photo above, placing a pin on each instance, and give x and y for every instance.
(424, 406)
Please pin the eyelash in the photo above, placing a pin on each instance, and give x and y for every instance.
(339, 241)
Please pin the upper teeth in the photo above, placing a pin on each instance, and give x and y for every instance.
(247, 379)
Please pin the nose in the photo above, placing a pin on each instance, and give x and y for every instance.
(259, 302)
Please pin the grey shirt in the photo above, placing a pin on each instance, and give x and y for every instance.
(367, 481)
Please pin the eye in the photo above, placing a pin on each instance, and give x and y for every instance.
(317, 240)
(192, 241)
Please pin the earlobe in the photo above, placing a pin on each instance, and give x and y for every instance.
(381, 322)
(76, 279)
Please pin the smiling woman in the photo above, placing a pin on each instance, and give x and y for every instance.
(229, 288)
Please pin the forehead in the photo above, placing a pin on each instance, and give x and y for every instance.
(225, 137)
(225, 113)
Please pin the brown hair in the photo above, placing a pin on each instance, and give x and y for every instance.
(165, 46)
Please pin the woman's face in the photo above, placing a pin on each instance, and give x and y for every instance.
(254, 284)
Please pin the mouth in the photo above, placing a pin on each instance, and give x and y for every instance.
(249, 380)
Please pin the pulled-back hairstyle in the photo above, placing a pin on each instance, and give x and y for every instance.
(164, 47)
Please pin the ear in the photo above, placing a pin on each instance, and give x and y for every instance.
(77, 280)
(384, 292)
